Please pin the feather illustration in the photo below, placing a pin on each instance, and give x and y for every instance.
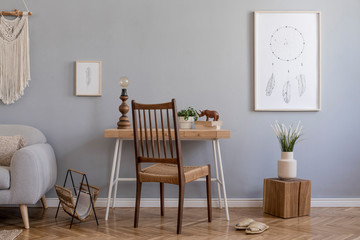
(270, 85)
(301, 84)
(287, 92)
(88, 76)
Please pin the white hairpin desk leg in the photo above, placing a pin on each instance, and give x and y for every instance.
(222, 179)
(112, 178)
(117, 172)
(217, 173)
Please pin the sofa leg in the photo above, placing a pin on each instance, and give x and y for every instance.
(25, 216)
(43, 201)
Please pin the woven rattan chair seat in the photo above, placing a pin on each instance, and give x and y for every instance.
(168, 173)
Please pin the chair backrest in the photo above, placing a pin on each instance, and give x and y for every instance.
(156, 134)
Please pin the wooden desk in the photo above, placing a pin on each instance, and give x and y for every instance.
(185, 134)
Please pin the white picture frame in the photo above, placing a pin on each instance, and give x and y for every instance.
(287, 61)
(88, 78)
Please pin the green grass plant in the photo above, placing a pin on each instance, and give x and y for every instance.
(186, 113)
(287, 137)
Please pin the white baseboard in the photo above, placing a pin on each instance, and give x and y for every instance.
(335, 202)
(201, 202)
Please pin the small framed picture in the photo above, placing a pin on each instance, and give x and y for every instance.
(88, 78)
(287, 59)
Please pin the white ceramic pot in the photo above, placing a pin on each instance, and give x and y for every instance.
(287, 166)
(186, 124)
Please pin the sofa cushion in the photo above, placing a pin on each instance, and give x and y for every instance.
(30, 134)
(4, 178)
(8, 146)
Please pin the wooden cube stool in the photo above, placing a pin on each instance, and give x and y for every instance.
(287, 198)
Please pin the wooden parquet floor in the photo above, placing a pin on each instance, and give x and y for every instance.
(324, 223)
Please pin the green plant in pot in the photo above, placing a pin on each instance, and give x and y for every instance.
(287, 137)
(187, 117)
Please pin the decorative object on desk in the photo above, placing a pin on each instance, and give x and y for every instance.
(287, 138)
(86, 196)
(124, 121)
(209, 114)
(287, 61)
(14, 56)
(208, 125)
(187, 117)
(88, 78)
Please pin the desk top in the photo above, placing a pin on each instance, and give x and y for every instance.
(185, 134)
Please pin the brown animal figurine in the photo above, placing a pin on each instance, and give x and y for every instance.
(209, 114)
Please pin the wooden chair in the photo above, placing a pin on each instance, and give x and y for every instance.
(157, 141)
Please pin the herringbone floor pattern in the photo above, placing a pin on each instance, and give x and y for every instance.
(324, 223)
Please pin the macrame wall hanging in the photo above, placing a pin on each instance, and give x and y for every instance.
(14, 55)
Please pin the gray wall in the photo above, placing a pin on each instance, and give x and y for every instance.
(199, 52)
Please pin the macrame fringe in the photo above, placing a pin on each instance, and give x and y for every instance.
(14, 60)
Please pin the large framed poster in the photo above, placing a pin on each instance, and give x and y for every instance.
(287, 60)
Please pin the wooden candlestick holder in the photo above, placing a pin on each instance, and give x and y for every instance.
(124, 121)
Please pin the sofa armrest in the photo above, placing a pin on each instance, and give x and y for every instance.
(33, 172)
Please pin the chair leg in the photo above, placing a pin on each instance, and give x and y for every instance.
(24, 215)
(137, 204)
(43, 201)
(208, 191)
(162, 206)
(181, 207)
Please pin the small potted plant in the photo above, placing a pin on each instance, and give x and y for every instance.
(288, 137)
(187, 117)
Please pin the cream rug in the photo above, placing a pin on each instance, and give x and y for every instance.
(9, 234)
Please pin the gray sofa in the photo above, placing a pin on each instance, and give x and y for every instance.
(32, 171)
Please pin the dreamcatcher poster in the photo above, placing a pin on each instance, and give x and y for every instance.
(287, 61)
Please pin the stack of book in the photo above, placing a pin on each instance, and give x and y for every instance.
(209, 125)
